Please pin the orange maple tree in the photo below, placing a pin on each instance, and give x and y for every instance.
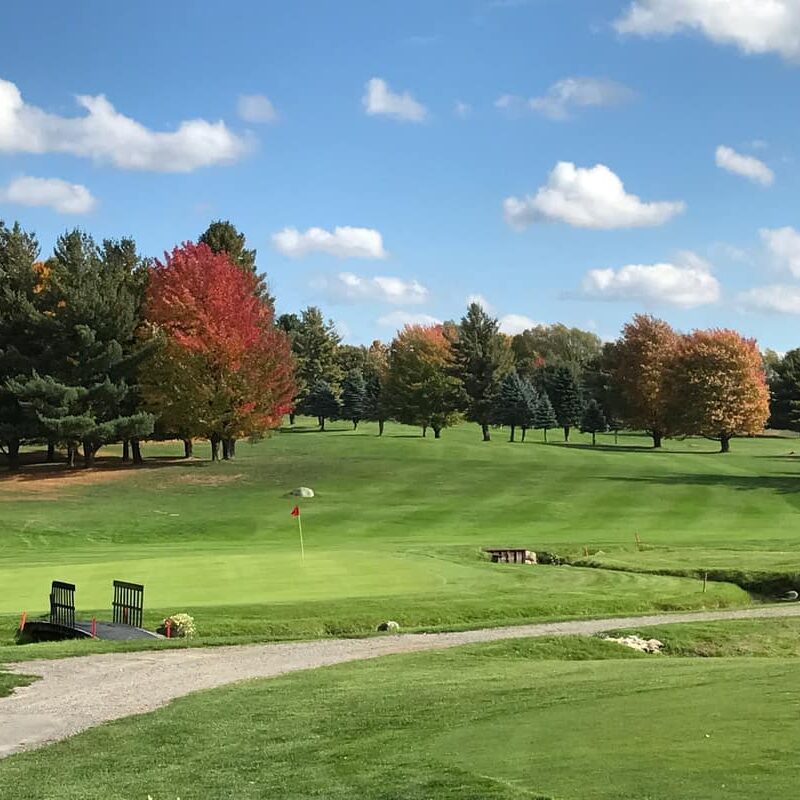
(716, 387)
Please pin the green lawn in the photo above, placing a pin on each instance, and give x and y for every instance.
(569, 718)
(396, 529)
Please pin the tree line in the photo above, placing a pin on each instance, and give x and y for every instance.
(100, 345)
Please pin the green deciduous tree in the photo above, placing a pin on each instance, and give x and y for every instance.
(482, 357)
(593, 420)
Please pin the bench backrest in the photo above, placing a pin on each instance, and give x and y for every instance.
(128, 603)
(62, 603)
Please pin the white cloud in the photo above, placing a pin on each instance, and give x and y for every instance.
(513, 324)
(481, 301)
(754, 26)
(587, 198)
(746, 166)
(344, 242)
(256, 108)
(573, 93)
(772, 299)
(462, 110)
(108, 137)
(687, 283)
(350, 288)
(399, 319)
(380, 99)
(63, 197)
(783, 245)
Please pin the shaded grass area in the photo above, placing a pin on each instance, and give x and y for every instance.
(568, 718)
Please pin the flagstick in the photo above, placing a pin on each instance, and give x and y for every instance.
(302, 549)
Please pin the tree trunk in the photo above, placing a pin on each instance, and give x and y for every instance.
(126, 450)
(524, 431)
(225, 450)
(188, 448)
(214, 447)
(513, 431)
(12, 448)
(657, 437)
(616, 436)
(437, 432)
(231, 449)
(88, 454)
(545, 433)
(724, 443)
(485, 430)
(355, 424)
(381, 423)
(424, 431)
(566, 433)
(51, 451)
(594, 438)
(136, 450)
(291, 418)
(322, 423)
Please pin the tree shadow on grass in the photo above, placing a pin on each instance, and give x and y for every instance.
(623, 448)
(784, 483)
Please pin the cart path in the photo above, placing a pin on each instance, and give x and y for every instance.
(74, 694)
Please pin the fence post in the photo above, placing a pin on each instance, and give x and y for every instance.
(22, 620)
(168, 626)
(94, 627)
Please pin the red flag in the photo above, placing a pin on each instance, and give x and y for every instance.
(296, 511)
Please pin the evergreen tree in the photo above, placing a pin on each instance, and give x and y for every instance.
(784, 382)
(315, 345)
(376, 406)
(482, 357)
(354, 397)
(593, 420)
(565, 395)
(514, 404)
(544, 416)
(321, 402)
(531, 397)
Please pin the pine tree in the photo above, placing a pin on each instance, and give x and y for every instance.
(376, 406)
(593, 420)
(315, 344)
(482, 357)
(321, 402)
(544, 416)
(514, 404)
(531, 397)
(566, 399)
(354, 397)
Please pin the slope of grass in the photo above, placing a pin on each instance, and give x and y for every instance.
(396, 530)
(563, 718)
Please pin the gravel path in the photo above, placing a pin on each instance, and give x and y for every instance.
(78, 693)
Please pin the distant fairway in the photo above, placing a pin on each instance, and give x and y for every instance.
(396, 528)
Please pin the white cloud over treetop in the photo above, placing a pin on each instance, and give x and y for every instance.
(61, 196)
(686, 283)
(513, 324)
(587, 198)
(343, 242)
(106, 136)
(754, 26)
(399, 319)
(747, 166)
(380, 100)
(772, 299)
(350, 288)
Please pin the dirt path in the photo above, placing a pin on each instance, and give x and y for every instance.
(78, 693)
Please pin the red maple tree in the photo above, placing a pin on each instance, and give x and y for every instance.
(208, 312)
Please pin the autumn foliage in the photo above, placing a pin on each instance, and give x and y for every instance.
(222, 357)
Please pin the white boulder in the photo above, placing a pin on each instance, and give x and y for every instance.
(303, 491)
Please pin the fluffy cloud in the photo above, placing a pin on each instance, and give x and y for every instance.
(687, 283)
(344, 242)
(63, 197)
(587, 198)
(570, 94)
(462, 110)
(349, 288)
(399, 319)
(481, 301)
(108, 137)
(783, 245)
(746, 166)
(512, 324)
(380, 99)
(256, 108)
(754, 26)
(772, 299)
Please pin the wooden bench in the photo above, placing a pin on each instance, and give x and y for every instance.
(128, 603)
(62, 604)
(510, 555)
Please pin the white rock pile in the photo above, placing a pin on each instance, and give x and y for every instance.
(637, 643)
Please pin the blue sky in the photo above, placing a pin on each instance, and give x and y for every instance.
(429, 134)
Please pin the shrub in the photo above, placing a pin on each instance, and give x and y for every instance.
(181, 626)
